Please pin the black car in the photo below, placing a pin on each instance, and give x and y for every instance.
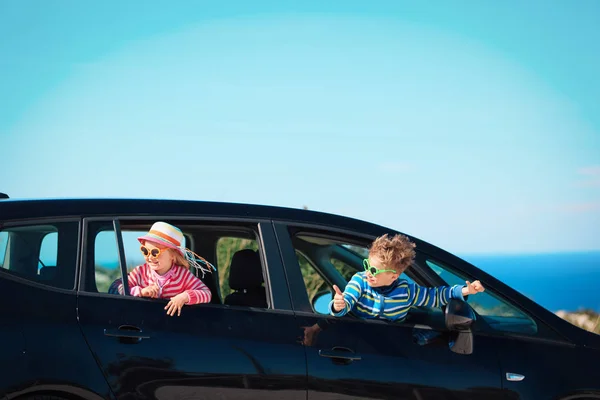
(266, 333)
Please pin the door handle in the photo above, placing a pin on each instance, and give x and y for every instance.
(340, 354)
(127, 333)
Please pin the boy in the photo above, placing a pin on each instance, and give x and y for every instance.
(380, 293)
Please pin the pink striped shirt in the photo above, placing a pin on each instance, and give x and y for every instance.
(177, 280)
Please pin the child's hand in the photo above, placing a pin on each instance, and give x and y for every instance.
(150, 291)
(472, 288)
(310, 334)
(338, 300)
(176, 303)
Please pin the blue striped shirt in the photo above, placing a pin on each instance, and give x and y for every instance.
(391, 302)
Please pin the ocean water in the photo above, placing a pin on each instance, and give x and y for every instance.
(559, 281)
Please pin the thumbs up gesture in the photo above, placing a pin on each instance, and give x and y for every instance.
(338, 300)
(472, 288)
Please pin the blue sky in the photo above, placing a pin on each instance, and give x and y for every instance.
(473, 125)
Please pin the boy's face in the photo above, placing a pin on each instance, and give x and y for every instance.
(382, 278)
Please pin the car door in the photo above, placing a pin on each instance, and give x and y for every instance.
(352, 358)
(44, 350)
(11, 328)
(211, 351)
(536, 360)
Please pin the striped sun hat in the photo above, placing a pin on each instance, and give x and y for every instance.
(166, 235)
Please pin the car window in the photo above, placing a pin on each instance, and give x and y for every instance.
(3, 246)
(323, 261)
(44, 254)
(106, 258)
(361, 251)
(344, 269)
(227, 247)
(313, 282)
(498, 313)
(48, 250)
(228, 253)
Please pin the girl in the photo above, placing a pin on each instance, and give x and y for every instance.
(166, 274)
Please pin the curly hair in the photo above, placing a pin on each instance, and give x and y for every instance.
(396, 252)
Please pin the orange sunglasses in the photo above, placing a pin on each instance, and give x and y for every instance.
(154, 252)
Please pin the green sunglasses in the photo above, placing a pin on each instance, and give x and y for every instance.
(374, 270)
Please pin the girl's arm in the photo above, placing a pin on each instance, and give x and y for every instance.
(196, 290)
(134, 280)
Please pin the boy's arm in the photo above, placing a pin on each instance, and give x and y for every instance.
(351, 294)
(434, 296)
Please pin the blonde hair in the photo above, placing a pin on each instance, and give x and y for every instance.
(179, 259)
(395, 253)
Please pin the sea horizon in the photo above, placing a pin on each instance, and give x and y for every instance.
(559, 281)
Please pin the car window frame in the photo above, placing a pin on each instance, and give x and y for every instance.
(286, 229)
(274, 276)
(423, 260)
(39, 222)
(423, 275)
(545, 332)
(5, 249)
(302, 306)
(332, 275)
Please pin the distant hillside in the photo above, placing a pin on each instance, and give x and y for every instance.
(586, 319)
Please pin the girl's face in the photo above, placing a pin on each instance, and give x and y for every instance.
(163, 262)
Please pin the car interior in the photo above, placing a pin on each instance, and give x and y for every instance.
(321, 250)
(244, 272)
(22, 256)
(246, 280)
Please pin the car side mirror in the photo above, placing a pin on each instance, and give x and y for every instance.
(459, 317)
(321, 300)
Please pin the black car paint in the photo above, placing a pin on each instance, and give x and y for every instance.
(56, 344)
(423, 372)
(206, 351)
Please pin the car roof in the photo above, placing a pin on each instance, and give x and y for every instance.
(91, 207)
